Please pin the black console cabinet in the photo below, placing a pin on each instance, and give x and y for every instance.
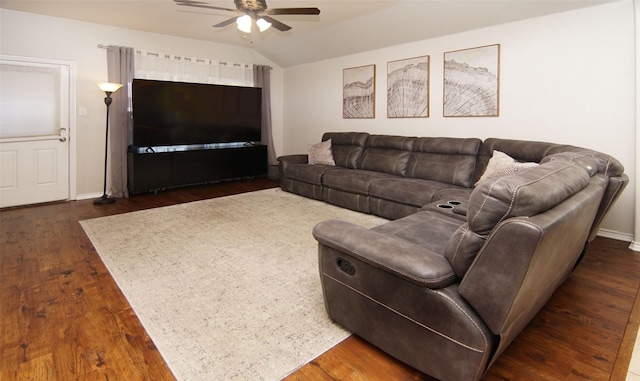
(153, 171)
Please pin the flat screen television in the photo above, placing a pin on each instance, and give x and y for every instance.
(177, 113)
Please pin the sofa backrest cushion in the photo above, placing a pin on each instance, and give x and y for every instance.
(605, 163)
(448, 160)
(347, 147)
(524, 150)
(524, 194)
(389, 154)
(541, 151)
(520, 150)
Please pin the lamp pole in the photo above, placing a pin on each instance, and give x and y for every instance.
(108, 88)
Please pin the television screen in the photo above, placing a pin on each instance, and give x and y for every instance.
(177, 113)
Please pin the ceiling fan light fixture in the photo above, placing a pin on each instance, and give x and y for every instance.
(244, 23)
(263, 24)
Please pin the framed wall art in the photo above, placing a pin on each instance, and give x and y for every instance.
(471, 82)
(358, 92)
(408, 88)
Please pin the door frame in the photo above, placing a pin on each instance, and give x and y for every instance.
(71, 65)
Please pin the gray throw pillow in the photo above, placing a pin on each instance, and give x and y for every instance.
(320, 153)
(502, 164)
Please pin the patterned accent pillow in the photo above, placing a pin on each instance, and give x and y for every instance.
(502, 164)
(320, 153)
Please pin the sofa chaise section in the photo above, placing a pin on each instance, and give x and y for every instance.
(447, 295)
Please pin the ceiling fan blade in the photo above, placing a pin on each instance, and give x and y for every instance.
(226, 22)
(292, 11)
(198, 4)
(277, 24)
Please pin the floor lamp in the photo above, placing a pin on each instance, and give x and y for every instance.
(108, 88)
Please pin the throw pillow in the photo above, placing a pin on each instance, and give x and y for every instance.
(502, 164)
(320, 153)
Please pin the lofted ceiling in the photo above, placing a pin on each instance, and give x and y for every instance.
(343, 26)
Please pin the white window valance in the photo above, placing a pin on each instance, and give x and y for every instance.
(166, 67)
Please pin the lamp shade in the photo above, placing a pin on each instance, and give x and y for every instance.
(244, 23)
(109, 87)
(263, 24)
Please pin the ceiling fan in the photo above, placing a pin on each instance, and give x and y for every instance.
(253, 11)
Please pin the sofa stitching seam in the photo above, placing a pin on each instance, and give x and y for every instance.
(465, 229)
(524, 279)
(515, 192)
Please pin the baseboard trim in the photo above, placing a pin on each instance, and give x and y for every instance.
(633, 245)
(615, 235)
(88, 196)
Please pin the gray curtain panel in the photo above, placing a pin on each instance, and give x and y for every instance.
(120, 66)
(262, 78)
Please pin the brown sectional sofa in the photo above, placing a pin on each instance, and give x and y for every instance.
(460, 268)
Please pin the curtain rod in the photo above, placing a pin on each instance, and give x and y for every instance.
(100, 46)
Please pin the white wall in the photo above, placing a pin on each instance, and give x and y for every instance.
(565, 78)
(30, 35)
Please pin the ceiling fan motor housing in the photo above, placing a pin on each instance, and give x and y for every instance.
(254, 6)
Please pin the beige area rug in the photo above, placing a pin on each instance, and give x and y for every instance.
(227, 288)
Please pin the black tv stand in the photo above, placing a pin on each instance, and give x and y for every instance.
(156, 168)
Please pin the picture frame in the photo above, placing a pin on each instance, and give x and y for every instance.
(358, 92)
(408, 88)
(472, 82)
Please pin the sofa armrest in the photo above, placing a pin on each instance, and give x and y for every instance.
(294, 159)
(284, 161)
(401, 258)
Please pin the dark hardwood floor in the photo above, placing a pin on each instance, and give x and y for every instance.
(62, 316)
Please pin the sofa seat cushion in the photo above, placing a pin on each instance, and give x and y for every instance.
(351, 180)
(414, 192)
(390, 210)
(453, 193)
(311, 174)
(426, 229)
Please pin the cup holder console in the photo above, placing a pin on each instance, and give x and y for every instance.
(449, 205)
(453, 208)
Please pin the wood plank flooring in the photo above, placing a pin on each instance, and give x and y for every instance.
(62, 316)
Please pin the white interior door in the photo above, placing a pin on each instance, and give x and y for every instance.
(35, 120)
